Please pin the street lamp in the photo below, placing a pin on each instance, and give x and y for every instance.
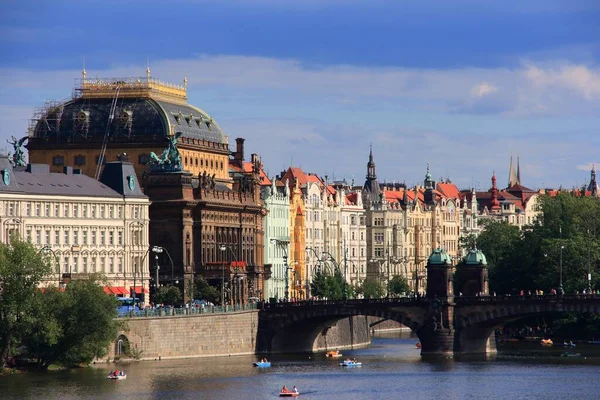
(47, 249)
(560, 282)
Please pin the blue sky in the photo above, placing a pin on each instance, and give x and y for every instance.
(461, 84)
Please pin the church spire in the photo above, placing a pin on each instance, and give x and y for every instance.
(513, 178)
(518, 170)
(593, 186)
(371, 186)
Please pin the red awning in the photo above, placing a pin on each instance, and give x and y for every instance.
(107, 290)
(121, 289)
(239, 264)
(114, 290)
(138, 289)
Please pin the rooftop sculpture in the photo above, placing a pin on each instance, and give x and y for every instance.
(170, 159)
(18, 157)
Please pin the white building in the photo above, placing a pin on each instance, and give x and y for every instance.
(85, 226)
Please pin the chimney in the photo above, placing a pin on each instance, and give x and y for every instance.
(239, 150)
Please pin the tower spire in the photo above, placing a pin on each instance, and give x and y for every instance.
(512, 175)
(83, 72)
(519, 170)
(495, 204)
(593, 186)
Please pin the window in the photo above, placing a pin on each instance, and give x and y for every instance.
(47, 236)
(75, 263)
(103, 265)
(85, 238)
(120, 238)
(66, 210)
(28, 209)
(111, 265)
(111, 238)
(58, 160)
(66, 263)
(143, 159)
(75, 210)
(38, 236)
(120, 265)
(84, 209)
(110, 212)
(79, 159)
(85, 264)
(66, 237)
(11, 209)
(93, 210)
(56, 210)
(93, 238)
(378, 251)
(75, 237)
(135, 212)
(47, 210)
(102, 210)
(119, 212)
(102, 238)
(57, 236)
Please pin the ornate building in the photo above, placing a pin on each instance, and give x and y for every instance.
(83, 225)
(206, 215)
(133, 116)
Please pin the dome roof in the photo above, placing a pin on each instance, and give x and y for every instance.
(144, 108)
(439, 257)
(475, 257)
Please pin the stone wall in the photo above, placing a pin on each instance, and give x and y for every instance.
(347, 333)
(387, 325)
(205, 335)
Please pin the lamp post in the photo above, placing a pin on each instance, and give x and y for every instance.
(309, 250)
(47, 249)
(561, 291)
(223, 248)
(589, 274)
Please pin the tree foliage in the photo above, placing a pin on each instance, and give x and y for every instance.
(22, 268)
(204, 290)
(529, 259)
(168, 295)
(398, 285)
(68, 327)
(75, 326)
(331, 287)
(372, 289)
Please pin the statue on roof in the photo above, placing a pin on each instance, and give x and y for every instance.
(17, 159)
(170, 159)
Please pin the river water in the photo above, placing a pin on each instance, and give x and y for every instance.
(392, 368)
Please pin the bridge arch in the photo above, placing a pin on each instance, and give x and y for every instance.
(475, 324)
(307, 328)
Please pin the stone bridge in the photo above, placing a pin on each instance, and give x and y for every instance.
(444, 325)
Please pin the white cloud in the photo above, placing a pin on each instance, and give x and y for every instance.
(587, 167)
(483, 89)
(578, 78)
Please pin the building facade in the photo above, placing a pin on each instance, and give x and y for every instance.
(84, 226)
(277, 236)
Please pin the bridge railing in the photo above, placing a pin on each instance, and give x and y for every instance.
(182, 311)
(350, 302)
(525, 298)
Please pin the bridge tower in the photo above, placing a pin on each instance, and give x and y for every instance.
(473, 272)
(437, 333)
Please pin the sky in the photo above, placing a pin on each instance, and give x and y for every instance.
(461, 84)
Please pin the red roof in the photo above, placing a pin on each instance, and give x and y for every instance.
(263, 179)
(448, 190)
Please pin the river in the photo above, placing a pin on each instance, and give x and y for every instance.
(392, 368)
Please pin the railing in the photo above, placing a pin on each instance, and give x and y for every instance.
(425, 300)
(183, 311)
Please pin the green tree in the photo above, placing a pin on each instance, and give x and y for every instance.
(398, 285)
(168, 295)
(75, 326)
(372, 289)
(207, 292)
(319, 287)
(22, 268)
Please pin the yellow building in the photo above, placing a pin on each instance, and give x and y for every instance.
(106, 118)
(297, 276)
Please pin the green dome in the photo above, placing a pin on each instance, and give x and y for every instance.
(475, 257)
(439, 257)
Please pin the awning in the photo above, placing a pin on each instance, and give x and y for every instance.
(107, 290)
(120, 289)
(138, 289)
